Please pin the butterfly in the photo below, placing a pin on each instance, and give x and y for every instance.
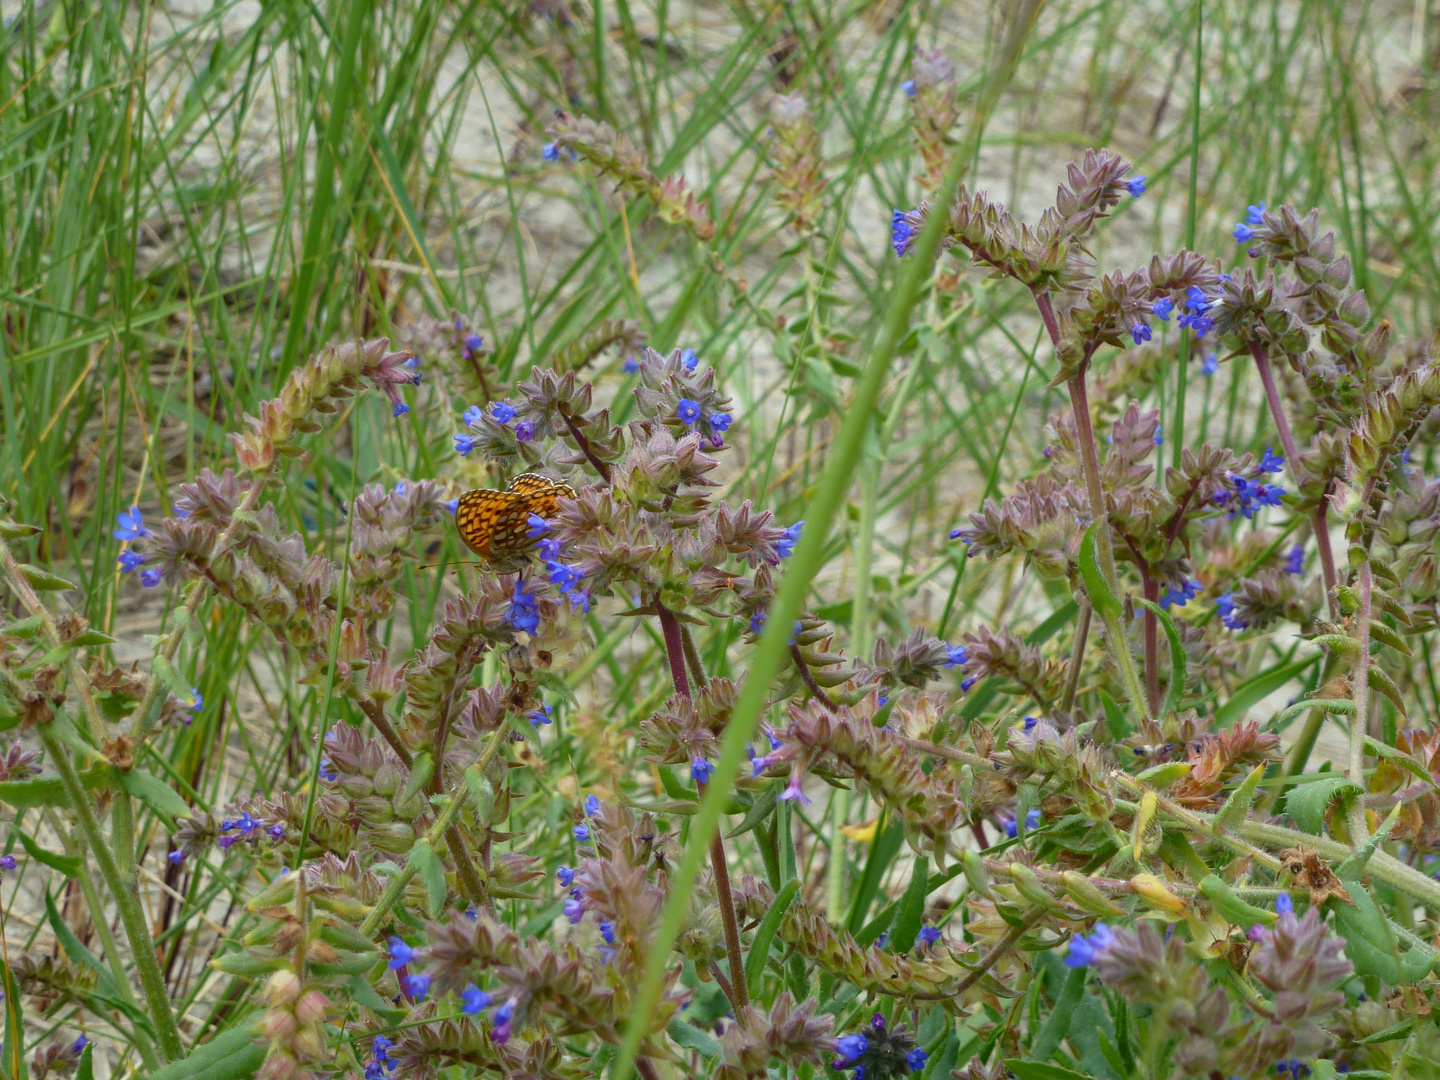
(496, 524)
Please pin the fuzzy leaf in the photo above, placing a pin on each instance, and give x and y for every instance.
(1101, 598)
(1379, 681)
(44, 580)
(765, 934)
(432, 872)
(69, 865)
(1307, 803)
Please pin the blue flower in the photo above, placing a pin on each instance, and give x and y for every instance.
(131, 527)
(400, 409)
(1210, 364)
(197, 706)
(1295, 561)
(7, 862)
(757, 622)
(536, 526)
(131, 560)
(689, 359)
(1141, 333)
(957, 655)
(417, 986)
(502, 412)
(177, 856)
(916, 1058)
(453, 505)
(1225, 606)
(1083, 951)
(700, 770)
(464, 444)
(631, 365)
(785, 546)
(524, 431)
(902, 232)
(607, 931)
(565, 875)
(592, 804)
(581, 833)
(380, 1048)
(1284, 905)
(721, 421)
(580, 600)
(474, 343)
(1187, 591)
(400, 953)
(955, 533)
(850, 1047)
(1242, 232)
(414, 365)
(1032, 821)
(541, 715)
(473, 1000)
(550, 151)
(506, 1012)
(522, 613)
(793, 792)
(1136, 187)
(563, 577)
(966, 684)
(759, 764)
(908, 86)
(1272, 462)
(472, 415)
(1163, 308)
(929, 935)
(574, 907)
(688, 411)
(327, 771)
(1255, 215)
(549, 549)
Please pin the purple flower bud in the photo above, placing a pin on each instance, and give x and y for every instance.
(574, 908)
(177, 856)
(955, 533)
(524, 431)
(7, 862)
(151, 577)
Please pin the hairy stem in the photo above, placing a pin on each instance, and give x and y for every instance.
(1360, 688)
(808, 678)
(1292, 458)
(1152, 645)
(127, 900)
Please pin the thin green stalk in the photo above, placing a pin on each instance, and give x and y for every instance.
(773, 648)
(137, 929)
(1177, 432)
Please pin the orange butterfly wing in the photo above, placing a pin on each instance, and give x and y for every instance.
(495, 524)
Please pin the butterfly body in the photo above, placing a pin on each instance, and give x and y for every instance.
(496, 524)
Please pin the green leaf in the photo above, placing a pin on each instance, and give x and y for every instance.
(1037, 1070)
(362, 993)
(44, 580)
(26, 629)
(1308, 802)
(759, 809)
(1238, 804)
(1404, 760)
(882, 850)
(1115, 718)
(432, 872)
(1372, 941)
(1047, 1039)
(1176, 690)
(1379, 681)
(172, 679)
(692, 1038)
(1257, 689)
(86, 1069)
(911, 911)
(1101, 598)
(91, 636)
(1329, 705)
(421, 769)
(12, 1054)
(39, 791)
(79, 955)
(231, 1055)
(69, 865)
(765, 934)
(153, 792)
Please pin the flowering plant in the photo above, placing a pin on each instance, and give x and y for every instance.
(1082, 850)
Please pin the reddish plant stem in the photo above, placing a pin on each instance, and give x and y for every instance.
(1292, 458)
(809, 679)
(1077, 655)
(584, 444)
(739, 995)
